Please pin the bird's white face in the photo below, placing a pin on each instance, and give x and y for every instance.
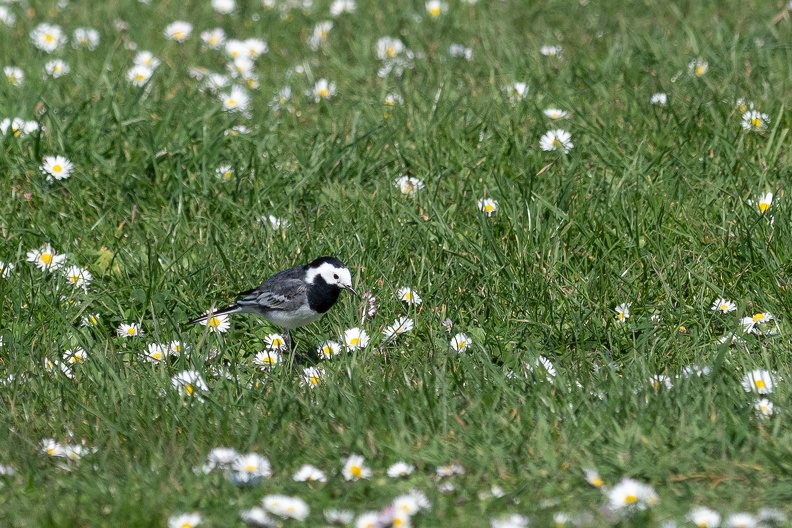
(331, 275)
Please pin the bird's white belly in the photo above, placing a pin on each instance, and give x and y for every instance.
(289, 320)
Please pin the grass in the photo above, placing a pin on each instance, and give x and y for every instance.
(651, 207)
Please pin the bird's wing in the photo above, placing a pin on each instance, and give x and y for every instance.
(281, 294)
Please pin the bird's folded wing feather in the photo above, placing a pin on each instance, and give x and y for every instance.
(285, 295)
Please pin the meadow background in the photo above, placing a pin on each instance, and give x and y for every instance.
(655, 205)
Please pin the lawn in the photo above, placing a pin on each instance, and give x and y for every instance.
(567, 222)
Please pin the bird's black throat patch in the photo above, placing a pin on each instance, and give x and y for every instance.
(322, 296)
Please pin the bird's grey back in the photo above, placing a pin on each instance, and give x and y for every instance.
(286, 290)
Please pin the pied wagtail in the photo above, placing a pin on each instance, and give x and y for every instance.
(294, 297)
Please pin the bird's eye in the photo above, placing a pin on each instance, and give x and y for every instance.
(335, 276)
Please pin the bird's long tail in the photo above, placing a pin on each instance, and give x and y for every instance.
(234, 308)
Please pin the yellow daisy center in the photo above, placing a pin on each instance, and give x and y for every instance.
(398, 521)
(630, 499)
(408, 188)
(156, 355)
(724, 306)
(278, 342)
(49, 37)
(46, 258)
(764, 206)
(356, 471)
(140, 77)
(314, 380)
(214, 322)
(227, 175)
(186, 525)
(756, 122)
(758, 317)
(489, 208)
(355, 341)
(74, 278)
(231, 101)
(700, 69)
(213, 40)
(556, 143)
(131, 330)
(178, 35)
(189, 388)
(597, 482)
(324, 92)
(92, 320)
(407, 296)
(760, 384)
(57, 168)
(50, 450)
(250, 468)
(390, 52)
(702, 524)
(461, 345)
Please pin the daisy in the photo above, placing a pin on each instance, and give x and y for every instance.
(309, 473)
(267, 359)
(743, 105)
(214, 38)
(409, 185)
(339, 7)
(400, 470)
(224, 7)
(221, 457)
(156, 352)
(393, 99)
(488, 206)
(408, 295)
(255, 47)
(449, 470)
(551, 51)
(276, 223)
(184, 520)
(312, 376)
(257, 517)
(146, 58)
(695, 370)
(328, 350)
(389, 48)
(514, 520)
(45, 259)
(622, 312)
(224, 172)
(286, 507)
(323, 90)
(435, 8)
(555, 113)
(217, 323)
(740, 520)
(235, 101)
(704, 517)
(765, 201)
(7, 18)
(461, 52)
(658, 381)
(47, 37)
(723, 305)
(698, 67)
(56, 68)
(400, 326)
(630, 494)
(241, 66)
(659, 99)
(340, 517)
(556, 140)
(15, 76)
(275, 342)
(74, 356)
(355, 468)
(139, 75)
(52, 448)
(751, 323)
(87, 38)
(129, 330)
(18, 127)
(754, 121)
(543, 367)
(281, 99)
(89, 320)
(251, 466)
(56, 167)
(178, 31)
(78, 277)
(516, 92)
(460, 342)
(189, 383)
(319, 35)
(356, 339)
(5, 269)
(759, 381)
(764, 407)
(592, 476)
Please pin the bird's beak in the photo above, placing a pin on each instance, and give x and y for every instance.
(350, 288)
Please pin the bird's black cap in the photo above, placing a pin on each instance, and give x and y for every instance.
(330, 260)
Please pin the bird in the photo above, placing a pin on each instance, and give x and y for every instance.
(293, 297)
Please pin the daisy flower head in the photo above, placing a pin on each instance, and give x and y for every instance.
(556, 140)
(488, 206)
(461, 52)
(400, 326)
(56, 167)
(704, 517)
(516, 91)
(555, 113)
(241, 66)
(257, 517)
(45, 258)
(130, 330)
(631, 495)
(542, 367)
(5, 269)
(15, 76)
(139, 74)
(189, 383)
(224, 172)
(689, 371)
(78, 277)
(224, 7)
(660, 381)
(723, 305)
(460, 342)
(56, 68)
(592, 476)
(435, 8)
(73, 356)
(318, 37)
(514, 520)
(551, 51)
(764, 407)
(753, 121)
(741, 520)
(286, 507)
(281, 99)
(328, 350)
(409, 296)
(743, 105)
(323, 90)
(400, 470)
(339, 7)
(759, 381)
(622, 312)
(312, 376)
(7, 18)
(449, 470)
(764, 202)
(409, 185)
(184, 520)
(178, 31)
(276, 223)
(220, 457)
(266, 359)
(47, 37)
(235, 101)
(659, 99)
(213, 38)
(389, 48)
(698, 67)
(275, 342)
(18, 127)
(156, 352)
(146, 58)
(753, 323)
(255, 47)
(52, 448)
(87, 38)
(89, 320)
(339, 517)
(356, 339)
(250, 468)
(218, 324)
(309, 473)
(355, 468)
